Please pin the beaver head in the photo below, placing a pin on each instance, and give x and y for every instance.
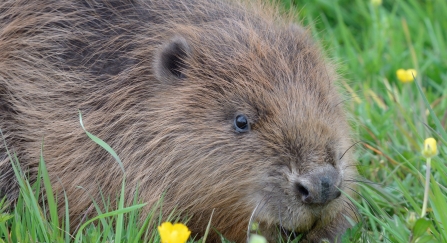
(254, 128)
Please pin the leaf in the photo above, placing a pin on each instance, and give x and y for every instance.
(101, 143)
(420, 227)
(439, 205)
(5, 217)
(52, 205)
(105, 215)
(426, 239)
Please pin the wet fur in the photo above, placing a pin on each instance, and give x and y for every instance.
(173, 131)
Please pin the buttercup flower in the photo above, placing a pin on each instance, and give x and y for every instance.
(177, 233)
(406, 76)
(430, 148)
(376, 3)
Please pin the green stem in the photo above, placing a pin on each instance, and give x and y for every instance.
(427, 181)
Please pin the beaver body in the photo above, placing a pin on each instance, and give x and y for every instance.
(219, 105)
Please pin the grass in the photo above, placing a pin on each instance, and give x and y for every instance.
(391, 119)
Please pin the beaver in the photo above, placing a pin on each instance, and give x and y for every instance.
(214, 105)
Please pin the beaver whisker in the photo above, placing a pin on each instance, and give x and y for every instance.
(349, 148)
(344, 100)
(251, 220)
(369, 203)
(372, 184)
(256, 211)
(352, 209)
(363, 181)
(355, 165)
(280, 218)
(288, 233)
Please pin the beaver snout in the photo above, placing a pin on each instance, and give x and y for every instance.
(319, 186)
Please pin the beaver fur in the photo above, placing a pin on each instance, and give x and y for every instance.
(220, 105)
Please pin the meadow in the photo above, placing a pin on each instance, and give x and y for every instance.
(391, 117)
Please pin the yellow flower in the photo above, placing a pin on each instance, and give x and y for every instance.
(406, 76)
(430, 148)
(177, 233)
(376, 3)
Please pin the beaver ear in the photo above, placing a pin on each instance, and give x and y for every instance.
(169, 63)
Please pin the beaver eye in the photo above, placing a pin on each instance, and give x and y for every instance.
(241, 123)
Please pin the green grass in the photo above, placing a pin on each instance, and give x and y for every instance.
(30, 222)
(369, 43)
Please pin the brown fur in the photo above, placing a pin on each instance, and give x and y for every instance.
(174, 131)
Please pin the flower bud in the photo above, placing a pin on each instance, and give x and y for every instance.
(376, 3)
(430, 148)
(257, 239)
(411, 220)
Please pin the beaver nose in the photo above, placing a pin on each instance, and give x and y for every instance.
(318, 187)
